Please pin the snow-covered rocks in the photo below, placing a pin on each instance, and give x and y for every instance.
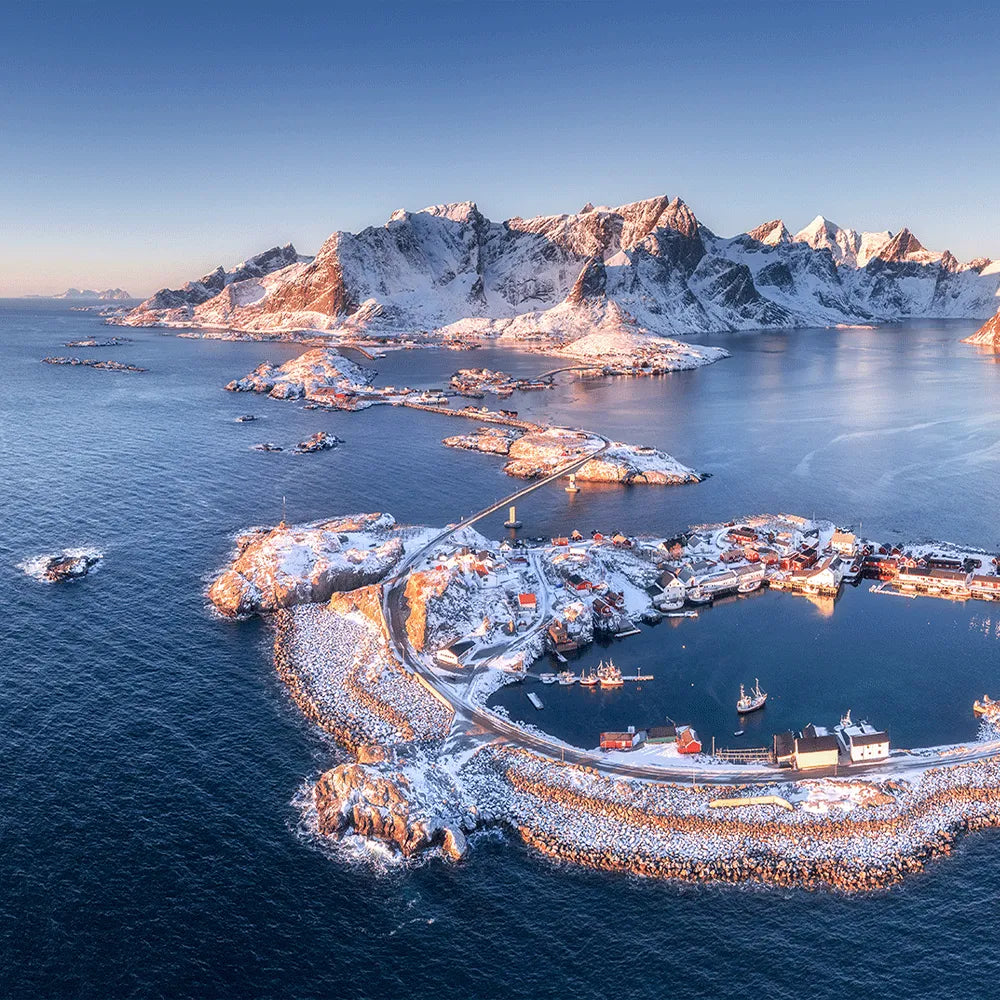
(541, 453)
(284, 566)
(61, 567)
(311, 375)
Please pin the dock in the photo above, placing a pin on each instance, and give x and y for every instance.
(638, 677)
(535, 700)
(625, 633)
(884, 588)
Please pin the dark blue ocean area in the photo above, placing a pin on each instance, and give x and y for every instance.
(151, 837)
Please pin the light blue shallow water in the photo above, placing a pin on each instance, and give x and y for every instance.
(150, 756)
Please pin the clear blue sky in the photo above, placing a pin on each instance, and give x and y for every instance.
(140, 147)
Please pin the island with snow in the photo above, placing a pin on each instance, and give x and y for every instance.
(393, 638)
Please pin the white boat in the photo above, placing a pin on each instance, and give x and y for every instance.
(547, 678)
(589, 680)
(748, 587)
(698, 596)
(566, 677)
(752, 701)
(682, 614)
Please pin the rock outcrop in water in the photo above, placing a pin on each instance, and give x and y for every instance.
(61, 567)
(311, 375)
(284, 566)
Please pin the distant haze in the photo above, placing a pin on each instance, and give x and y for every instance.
(144, 147)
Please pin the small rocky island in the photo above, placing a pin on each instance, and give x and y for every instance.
(541, 450)
(107, 366)
(62, 567)
(94, 342)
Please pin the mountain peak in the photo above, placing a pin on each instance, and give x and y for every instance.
(771, 233)
(456, 211)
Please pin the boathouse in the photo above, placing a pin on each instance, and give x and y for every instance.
(815, 751)
(985, 586)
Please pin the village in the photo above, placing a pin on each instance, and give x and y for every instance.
(558, 594)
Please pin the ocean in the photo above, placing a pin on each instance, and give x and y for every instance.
(152, 845)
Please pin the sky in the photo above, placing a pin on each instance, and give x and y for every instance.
(140, 148)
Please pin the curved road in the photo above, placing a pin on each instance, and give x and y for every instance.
(394, 610)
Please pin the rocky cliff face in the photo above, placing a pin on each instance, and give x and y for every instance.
(988, 335)
(449, 267)
(284, 566)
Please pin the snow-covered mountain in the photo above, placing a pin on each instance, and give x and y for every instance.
(108, 295)
(648, 266)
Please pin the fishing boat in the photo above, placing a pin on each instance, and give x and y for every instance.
(682, 614)
(752, 701)
(609, 675)
(698, 596)
(566, 677)
(748, 586)
(739, 732)
(547, 678)
(589, 680)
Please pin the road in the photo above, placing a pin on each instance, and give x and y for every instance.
(476, 722)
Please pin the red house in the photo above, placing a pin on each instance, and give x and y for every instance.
(527, 601)
(687, 740)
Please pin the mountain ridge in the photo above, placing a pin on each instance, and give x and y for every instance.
(448, 269)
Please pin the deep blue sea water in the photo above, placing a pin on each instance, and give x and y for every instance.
(149, 844)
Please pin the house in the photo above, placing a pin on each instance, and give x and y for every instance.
(869, 746)
(741, 535)
(862, 741)
(621, 541)
(576, 536)
(944, 562)
(768, 557)
(621, 741)
(844, 543)
(687, 740)
(815, 751)
(578, 583)
(561, 540)
(673, 588)
(560, 638)
(732, 555)
(661, 734)
(527, 602)
(451, 656)
(784, 748)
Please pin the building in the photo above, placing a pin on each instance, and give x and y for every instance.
(628, 740)
(985, 586)
(741, 535)
(661, 734)
(578, 583)
(527, 602)
(784, 748)
(749, 574)
(687, 740)
(719, 583)
(560, 638)
(862, 741)
(451, 656)
(844, 543)
(815, 751)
